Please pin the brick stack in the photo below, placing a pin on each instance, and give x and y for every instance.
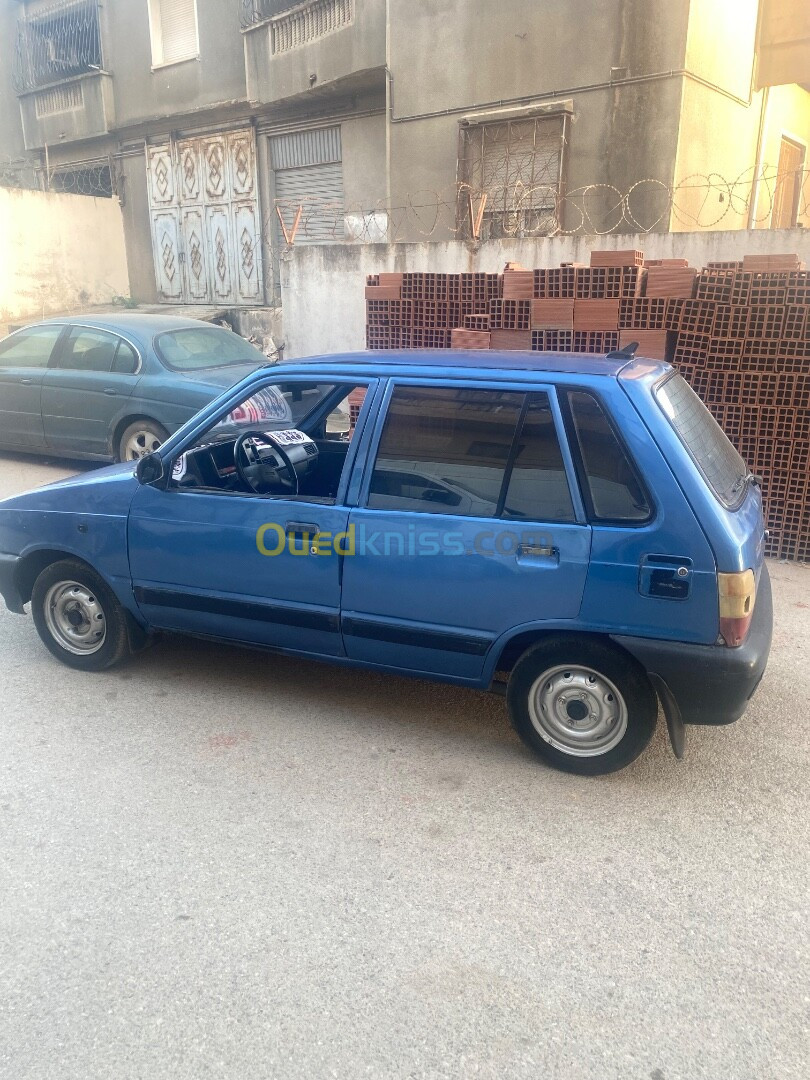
(739, 332)
(421, 311)
(743, 342)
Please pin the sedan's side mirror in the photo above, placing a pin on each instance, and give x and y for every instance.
(149, 469)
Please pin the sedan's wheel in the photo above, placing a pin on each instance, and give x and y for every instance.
(78, 616)
(140, 439)
(582, 705)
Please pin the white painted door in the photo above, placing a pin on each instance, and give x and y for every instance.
(206, 233)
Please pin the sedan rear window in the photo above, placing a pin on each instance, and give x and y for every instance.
(199, 348)
(721, 465)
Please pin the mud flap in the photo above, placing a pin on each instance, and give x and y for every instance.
(675, 724)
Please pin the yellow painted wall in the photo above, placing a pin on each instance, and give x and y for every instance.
(716, 162)
(787, 114)
(60, 253)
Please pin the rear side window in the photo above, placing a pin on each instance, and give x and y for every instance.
(538, 487)
(705, 440)
(470, 452)
(612, 487)
(88, 350)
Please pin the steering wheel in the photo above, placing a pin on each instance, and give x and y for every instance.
(255, 473)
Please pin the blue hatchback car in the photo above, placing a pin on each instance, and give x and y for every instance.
(112, 386)
(573, 531)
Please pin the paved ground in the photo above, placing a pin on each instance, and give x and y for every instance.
(220, 864)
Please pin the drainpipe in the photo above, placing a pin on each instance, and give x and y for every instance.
(752, 202)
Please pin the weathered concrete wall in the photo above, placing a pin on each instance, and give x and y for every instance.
(12, 145)
(622, 131)
(216, 77)
(342, 54)
(322, 287)
(59, 252)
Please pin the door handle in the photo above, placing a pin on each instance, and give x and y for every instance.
(301, 528)
(539, 553)
(110, 393)
(26, 382)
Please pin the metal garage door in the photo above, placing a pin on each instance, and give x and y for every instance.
(309, 173)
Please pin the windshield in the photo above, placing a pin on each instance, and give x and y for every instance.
(724, 469)
(199, 348)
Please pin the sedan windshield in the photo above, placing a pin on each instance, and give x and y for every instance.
(199, 348)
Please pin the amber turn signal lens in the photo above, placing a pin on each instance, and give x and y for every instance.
(738, 593)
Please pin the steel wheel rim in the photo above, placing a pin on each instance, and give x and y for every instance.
(140, 444)
(577, 710)
(75, 618)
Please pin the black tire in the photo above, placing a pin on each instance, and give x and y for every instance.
(620, 704)
(94, 598)
(148, 434)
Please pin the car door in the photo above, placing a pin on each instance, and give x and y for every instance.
(251, 568)
(24, 359)
(469, 525)
(85, 389)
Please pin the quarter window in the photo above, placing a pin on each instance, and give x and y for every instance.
(612, 485)
(29, 348)
(126, 359)
(477, 453)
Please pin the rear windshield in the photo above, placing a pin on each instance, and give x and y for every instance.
(705, 440)
(199, 348)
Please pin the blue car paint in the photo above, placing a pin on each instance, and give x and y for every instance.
(134, 537)
(737, 537)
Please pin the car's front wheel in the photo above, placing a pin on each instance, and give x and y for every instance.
(582, 705)
(139, 439)
(78, 617)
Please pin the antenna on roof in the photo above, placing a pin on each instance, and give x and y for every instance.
(627, 352)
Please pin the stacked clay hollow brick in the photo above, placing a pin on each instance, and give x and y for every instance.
(739, 332)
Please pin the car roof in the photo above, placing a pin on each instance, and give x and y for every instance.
(145, 325)
(454, 362)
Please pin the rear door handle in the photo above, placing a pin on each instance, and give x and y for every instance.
(111, 393)
(538, 553)
(302, 529)
(26, 382)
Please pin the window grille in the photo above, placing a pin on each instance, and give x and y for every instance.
(55, 43)
(517, 164)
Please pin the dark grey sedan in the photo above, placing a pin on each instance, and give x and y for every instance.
(113, 386)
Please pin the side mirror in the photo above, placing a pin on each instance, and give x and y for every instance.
(149, 469)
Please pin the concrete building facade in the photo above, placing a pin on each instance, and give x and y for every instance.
(228, 128)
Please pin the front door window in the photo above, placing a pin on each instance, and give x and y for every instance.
(287, 440)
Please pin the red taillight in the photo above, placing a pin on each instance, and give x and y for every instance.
(737, 593)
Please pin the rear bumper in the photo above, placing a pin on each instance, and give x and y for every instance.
(710, 684)
(8, 584)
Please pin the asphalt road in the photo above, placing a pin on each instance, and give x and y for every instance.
(215, 863)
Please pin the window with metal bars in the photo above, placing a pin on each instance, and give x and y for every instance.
(517, 164)
(56, 43)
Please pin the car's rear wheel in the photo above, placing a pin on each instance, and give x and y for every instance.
(141, 438)
(581, 705)
(78, 617)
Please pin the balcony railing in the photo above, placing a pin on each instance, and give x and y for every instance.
(256, 11)
(57, 43)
